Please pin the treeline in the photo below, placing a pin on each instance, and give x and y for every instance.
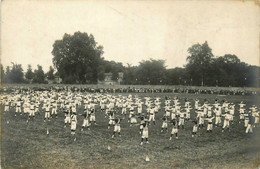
(77, 59)
(15, 74)
(220, 71)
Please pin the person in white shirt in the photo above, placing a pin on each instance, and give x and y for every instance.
(218, 113)
(181, 120)
(174, 131)
(124, 108)
(54, 109)
(67, 119)
(133, 119)
(226, 124)
(73, 123)
(151, 115)
(117, 128)
(47, 112)
(195, 128)
(18, 107)
(32, 110)
(196, 106)
(164, 124)
(210, 124)
(7, 102)
(144, 133)
(93, 116)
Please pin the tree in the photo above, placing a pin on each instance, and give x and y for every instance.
(151, 72)
(177, 76)
(101, 73)
(2, 73)
(77, 58)
(232, 67)
(251, 78)
(29, 73)
(39, 75)
(7, 74)
(231, 59)
(15, 75)
(113, 67)
(130, 75)
(219, 74)
(199, 61)
(50, 73)
(227, 70)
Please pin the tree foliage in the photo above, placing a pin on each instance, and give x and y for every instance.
(39, 76)
(177, 76)
(50, 74)
(198, 62)
(130, 73)
(77, 58)
(14, 74)
(113, 67)
(29, 74)
(2, 73)
(151, 72)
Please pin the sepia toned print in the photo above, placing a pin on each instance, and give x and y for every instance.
(129, 84)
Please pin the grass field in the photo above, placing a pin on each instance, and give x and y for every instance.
(28, 146)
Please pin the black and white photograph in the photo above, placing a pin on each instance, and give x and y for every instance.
(130, 84)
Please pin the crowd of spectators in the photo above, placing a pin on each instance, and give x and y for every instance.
(193, 90)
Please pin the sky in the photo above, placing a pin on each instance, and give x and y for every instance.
(130, 31)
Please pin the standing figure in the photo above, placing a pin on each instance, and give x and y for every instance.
(85, 122)
(151, 115)
(210, 124)
(7, 105)
(117, 128)
(174, 131)
(226, 124)
(195, 128)
(111, 121)
(142, 122)
(164, 124)
(73, 123)
(92, 116)
(54, 109)
(250, 124)
(217, 112)
(145, 133)
(67, 119)
(18, 107)
(47, 112)
(32, 111)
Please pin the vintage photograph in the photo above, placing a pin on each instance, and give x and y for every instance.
(129, 84)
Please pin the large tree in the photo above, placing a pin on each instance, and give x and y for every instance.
(50, 73)
(151, 72)
(76, 58)
(227, 70)
(15, 74)
(39, 76)
(198, 63)
(177, 76)
(130, 75)
(113, 67)
(29, 74)
(7, 74)
(2, 73)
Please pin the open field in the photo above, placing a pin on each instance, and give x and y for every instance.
(28, 146)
